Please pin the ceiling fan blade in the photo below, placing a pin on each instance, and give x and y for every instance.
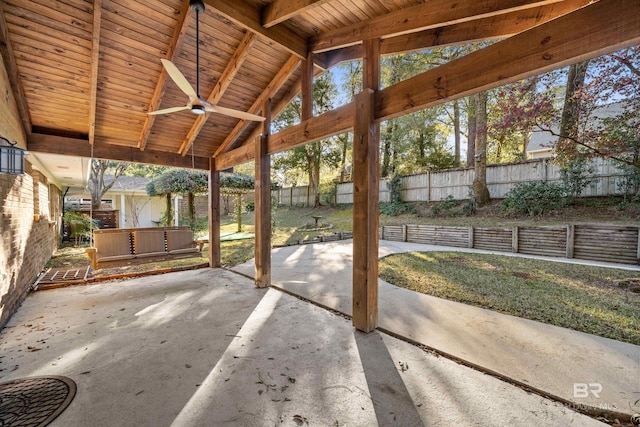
(179, 78)
(234, 113)
(169, 110)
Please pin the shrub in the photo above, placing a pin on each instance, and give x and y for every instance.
(533, 198)
(250, 206)
(445, 207)
(575, 178)
(396, 208)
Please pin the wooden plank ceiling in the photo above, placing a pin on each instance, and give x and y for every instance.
(87, 72)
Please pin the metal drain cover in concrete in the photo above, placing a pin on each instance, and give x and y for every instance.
(34, 401)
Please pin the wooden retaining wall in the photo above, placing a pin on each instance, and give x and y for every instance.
(605, 243)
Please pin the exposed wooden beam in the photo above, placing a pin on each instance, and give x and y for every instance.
(281, 10)
(214, 215)
(328, 124)
(249, 18)
(306, 89)
(95, 62)
(227, 76)
(177, 39)
(9, 59)
(263, 204)
(365, 214)
(493, 27)
(272, 88)
(282, 104)
(366, 198)
(613, 25)
(433, 14)
(41, 143)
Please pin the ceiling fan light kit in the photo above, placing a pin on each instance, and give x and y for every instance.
(196, 103)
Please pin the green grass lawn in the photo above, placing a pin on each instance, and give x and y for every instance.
(584, 298)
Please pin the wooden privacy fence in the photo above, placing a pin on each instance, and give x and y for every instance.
(438, 185)
(302, 196)
(606, 243)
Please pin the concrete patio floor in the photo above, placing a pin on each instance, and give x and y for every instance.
(206, 348)
(548, 358)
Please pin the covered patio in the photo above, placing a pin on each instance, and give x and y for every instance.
(207, 347)
(80, 79)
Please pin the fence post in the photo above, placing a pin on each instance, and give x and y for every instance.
(638, 251)
(382, 232)
(470, 242)
(571, 231)
(514, 239)
(404, 236)
(428, 186)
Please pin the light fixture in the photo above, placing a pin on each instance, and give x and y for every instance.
(11, 158)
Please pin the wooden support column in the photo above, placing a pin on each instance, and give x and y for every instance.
(263, 203)
(214, 215)
(366, 197)
(306, 92)
(365, 214)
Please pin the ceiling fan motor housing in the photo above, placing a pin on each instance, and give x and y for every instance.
(197, 5)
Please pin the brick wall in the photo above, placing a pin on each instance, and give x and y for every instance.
(25, 244)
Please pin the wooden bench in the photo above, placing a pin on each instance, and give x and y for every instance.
(130, 243)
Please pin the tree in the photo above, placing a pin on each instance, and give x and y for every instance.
(181, 181)
(310, 157)
(480, 190)
(97, 185)
(603, 129)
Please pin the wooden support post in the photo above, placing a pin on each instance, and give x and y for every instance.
(470, 238)
(638, 250)
(263, 203)
(365, 214)
(514, 239)
(404, 232)
(571, 232)
(239, 211)
(214, 215)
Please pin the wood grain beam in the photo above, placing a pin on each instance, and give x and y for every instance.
(365, 213)
(433, 14)
(227, 76)
(179, 33)
(214, 215)
(95, 62)
(9, 59)
(613, 25)
(319, 127)
(306, 89)
(493, 27)
(249, 18)
(281, 10)
(263, 204)
(41, 143)
(282, 104)
(272, 88)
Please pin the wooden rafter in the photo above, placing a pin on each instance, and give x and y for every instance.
(95, 62)
(282, 104)
(614, 24)
(433, 14)
(227, 76)
(280, 10)
(176, 43)
(9, 60)
(272, 88)
(250, 18)
(493, 27)
(40, 143)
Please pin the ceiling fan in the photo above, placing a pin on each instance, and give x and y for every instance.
(196, 103)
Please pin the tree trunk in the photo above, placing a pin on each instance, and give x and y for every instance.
(480, 190)
(168, 216)
(191, 208)
(386, 152)
(571, 109)
(456, 132)
(471, 137)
